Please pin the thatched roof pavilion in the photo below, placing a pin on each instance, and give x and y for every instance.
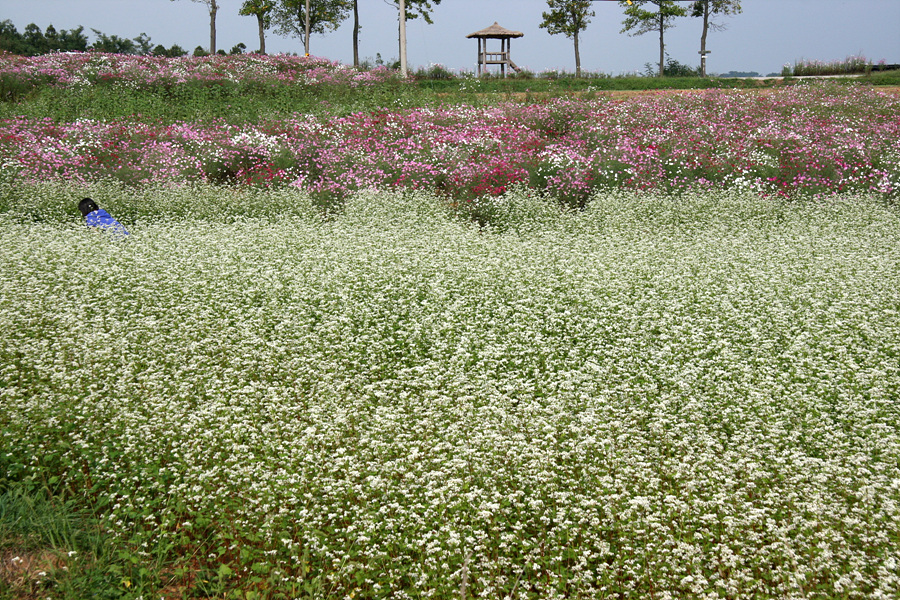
(502, 58)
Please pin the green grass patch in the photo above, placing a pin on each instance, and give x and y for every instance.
(218, 101)
(52, 547)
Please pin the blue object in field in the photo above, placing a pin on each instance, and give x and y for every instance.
(103, 220)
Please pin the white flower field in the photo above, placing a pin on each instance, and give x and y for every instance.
(657, 397)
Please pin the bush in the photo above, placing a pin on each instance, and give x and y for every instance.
(672, 68)
(848, 66)
(434, 71)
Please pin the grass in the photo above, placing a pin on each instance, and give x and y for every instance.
(230, 102)
(107, 87)
(518, 84)
(51, 548)
(884, 78)
(239, 104)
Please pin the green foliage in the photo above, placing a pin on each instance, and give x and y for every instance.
(568, 17)
(34, 42)
(433, 72)
(238, 102)
(288, 17)
(418, 8)
(715, 7)
(230, 101)
(673, 68)
(258, 8)
(172, 52)
(55, 547)
(887, 78)
(849, 66)
(639, 20)
(114, 44)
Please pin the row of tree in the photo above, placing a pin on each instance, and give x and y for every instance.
(295, 18)
(33, 42)
(303, 18)
(571, 17)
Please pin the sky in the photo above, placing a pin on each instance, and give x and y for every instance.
(766, 36)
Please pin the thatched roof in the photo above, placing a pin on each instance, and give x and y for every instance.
(495, 32)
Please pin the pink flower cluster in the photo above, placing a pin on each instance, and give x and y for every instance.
(816, 140)
(97, 68)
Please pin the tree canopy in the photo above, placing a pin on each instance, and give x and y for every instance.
(33, 41)
(705, 9)
(289, 17)
(568, 17)
(639, 20)
(262, 10)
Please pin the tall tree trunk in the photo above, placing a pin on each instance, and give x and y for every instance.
(662, 44)
(306, 36)
(356, 33)
(262, 33)
(403, 66)
(703, 38)
(577, 57)
(213, 9)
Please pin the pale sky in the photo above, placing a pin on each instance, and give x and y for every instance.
(768, 34)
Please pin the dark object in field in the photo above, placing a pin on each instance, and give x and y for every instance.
(94, 216)
(87, 206)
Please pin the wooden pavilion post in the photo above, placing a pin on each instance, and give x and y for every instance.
(478, 58)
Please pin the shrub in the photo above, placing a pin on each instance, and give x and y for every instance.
(850, 65)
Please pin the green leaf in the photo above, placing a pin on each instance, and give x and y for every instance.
(224, 571)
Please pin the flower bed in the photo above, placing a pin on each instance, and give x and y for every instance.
(655, 397)
(816, 140)
(78, 69)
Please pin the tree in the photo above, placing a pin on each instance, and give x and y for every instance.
(706, 8)
(356, 33)
(418, 8)
(290, 17)
(569, 17)
(34, 42)
(411, 9)
(640, 21)
(114, 44)
(213, 7)
(262, 10)
(143, 45)
(172, 52)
